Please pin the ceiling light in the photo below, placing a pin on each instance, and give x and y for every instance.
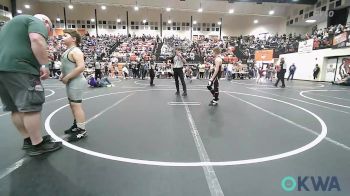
(219, 23)
(103, 7)
(92, 20)
(271, 12)
(256, 21)
(136, 8)
(168, 9)
(200, 10)
(169, 21)
(310, 21)
(118, 20)
(194, 22)
(231, 11)
(27, 6)
(19, 11)
(70, 6)
(58, 19)
(144, 21)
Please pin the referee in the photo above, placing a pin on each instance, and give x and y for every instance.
(179, 62)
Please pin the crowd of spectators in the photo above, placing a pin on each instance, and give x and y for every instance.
(282, 44)
(138, 52)
(94, 48)
(323, 38)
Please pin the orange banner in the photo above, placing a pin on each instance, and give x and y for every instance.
(264, 55)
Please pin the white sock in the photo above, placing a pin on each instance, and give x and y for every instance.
(81, 125)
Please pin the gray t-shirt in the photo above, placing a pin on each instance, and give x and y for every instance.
(16, 54)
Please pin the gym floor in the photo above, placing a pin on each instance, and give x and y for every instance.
(146, 141)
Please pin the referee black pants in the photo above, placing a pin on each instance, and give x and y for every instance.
(179, 73)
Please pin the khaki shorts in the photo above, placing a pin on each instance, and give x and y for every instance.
(21, 92)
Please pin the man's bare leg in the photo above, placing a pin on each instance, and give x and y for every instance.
(32, 123)
(17, 119)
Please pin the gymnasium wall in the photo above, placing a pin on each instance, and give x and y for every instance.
(348, 21)
(233, 25)
(5, 15)
(6, 3)
(297, 29)
(306, 62)
(322, 25)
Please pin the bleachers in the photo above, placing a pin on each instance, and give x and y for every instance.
(242, 48)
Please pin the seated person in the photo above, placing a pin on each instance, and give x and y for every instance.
(92, 81)
(188, 73)
(103, 82)
(343, 82)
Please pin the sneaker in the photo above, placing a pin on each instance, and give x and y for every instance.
(283, 86)
(184, 94)
(44, 147)
(77, 134)
(28, 143)
(213, 103)
(177, 93)
(210, 88)
(69, 131)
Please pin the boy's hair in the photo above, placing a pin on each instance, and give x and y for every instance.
(74, 34)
